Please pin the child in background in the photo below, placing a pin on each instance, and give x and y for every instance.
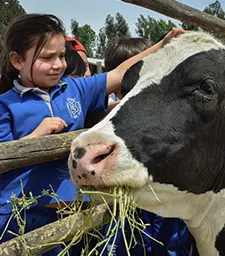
(75, 64)
(36, 101)
(79, 48)
(171, 231)
(120, 49)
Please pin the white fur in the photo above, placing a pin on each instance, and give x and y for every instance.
(203, 214)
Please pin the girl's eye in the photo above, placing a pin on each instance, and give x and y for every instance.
(62, 56)
(45, 57)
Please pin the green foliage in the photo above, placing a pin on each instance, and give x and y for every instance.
(101, 43)
(214, 9)
(85, 34)
(144, 26)
(114, 27)
(9, 9)
(110, 28)
(122, 28)
(75, 28)
(152, 29)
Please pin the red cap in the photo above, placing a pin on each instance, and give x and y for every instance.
(78, 46)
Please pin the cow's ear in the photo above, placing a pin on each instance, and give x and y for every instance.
(206, 97)
(131, 77)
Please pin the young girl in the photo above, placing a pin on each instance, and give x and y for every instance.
(36, 101)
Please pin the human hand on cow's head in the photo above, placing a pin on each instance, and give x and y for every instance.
(173, 33)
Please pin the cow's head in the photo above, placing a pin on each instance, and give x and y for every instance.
(169, 129)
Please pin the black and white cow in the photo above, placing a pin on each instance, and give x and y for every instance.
(168, 131)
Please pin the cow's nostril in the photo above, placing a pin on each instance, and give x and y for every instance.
(101, 157)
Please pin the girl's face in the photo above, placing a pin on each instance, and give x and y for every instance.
(49, 66)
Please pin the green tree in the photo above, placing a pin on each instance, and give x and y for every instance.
(86, 35)
(144, 26)
(216, 10)
(75, 28)
(116, 26)
(110, 27)
(121, 26)
(152, 29)
(9, 9)
(101, 43)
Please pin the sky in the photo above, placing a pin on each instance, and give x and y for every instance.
(94, 12)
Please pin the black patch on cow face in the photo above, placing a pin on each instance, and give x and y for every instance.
(177, 128)
(79, 153)
(74, 164)
(220, 242)
(130, 78)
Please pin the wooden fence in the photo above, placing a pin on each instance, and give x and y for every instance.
(22, 153)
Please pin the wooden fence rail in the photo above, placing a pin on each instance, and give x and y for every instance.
(182, 12)
(47, 237)
(16, 154)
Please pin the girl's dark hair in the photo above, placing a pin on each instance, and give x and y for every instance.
(23, 33)
(121, 49)
(75, 64)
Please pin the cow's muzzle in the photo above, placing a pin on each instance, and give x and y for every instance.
(90, 163)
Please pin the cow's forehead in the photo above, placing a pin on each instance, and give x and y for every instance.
(160, 64)
(165, 60)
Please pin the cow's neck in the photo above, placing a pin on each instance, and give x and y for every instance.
(207, 221)
(203, 214)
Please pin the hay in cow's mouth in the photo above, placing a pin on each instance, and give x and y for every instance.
(121, 207)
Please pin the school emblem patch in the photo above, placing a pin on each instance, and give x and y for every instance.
(74, 107)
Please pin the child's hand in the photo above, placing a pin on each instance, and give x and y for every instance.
(48, 126)
(173, 33)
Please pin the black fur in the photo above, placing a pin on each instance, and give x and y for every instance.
(130, 78)
(220, 240)
(177, 127)
(74, 164)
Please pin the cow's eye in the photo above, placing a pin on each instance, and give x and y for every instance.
(206, 86)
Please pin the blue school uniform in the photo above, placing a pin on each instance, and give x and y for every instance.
(172, 232)
(21, 111)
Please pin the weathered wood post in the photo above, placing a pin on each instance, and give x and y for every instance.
(182, 12)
